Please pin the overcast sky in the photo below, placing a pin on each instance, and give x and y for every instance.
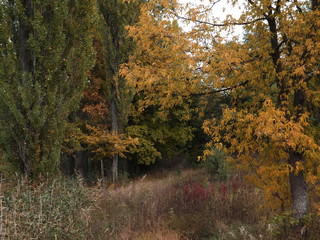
(220, 10)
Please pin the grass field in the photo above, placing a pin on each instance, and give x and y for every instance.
(190, 204)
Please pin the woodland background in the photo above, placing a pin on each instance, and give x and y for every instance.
(96, 94)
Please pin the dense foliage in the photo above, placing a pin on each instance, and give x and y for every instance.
(105, 87)
(46, 51)
(270, 126)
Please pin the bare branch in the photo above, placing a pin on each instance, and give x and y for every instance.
(220, 24)
(220, 90)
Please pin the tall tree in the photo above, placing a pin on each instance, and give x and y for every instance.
(46, 49)
(162, 72)
(117, 14)
(271, 128)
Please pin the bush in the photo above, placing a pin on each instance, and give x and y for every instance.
(216, 164)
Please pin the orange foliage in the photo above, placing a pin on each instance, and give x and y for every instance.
(265, 74)
(95, 105)
(106, 144)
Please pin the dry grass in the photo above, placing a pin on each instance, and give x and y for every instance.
(57, 209)
(189, 205)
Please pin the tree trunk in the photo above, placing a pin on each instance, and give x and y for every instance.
(26, 68)
(23, 35)
(115, 131)
(315, 4)
(103, 178)
(298, 187)
(81, 160)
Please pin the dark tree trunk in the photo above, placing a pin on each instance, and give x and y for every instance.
(103, 178)
(115, 131)
(67, 165)
(124, 164)
(315, 4)
(81, 160)
(26, 67)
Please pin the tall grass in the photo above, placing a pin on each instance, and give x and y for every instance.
(191, 205)
(57, 209)
(186, 206)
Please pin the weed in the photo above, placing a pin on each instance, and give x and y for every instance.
(57, 209)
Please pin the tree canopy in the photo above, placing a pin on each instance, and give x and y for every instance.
(46, 51)
(271, 126)
(126, 79)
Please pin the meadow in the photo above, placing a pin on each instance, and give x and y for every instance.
(190, 204)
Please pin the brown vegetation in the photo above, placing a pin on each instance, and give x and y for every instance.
(191, 204)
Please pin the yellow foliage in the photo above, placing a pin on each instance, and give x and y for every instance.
(161, 65)
(272, 77)
(259, 144)
(106, 144)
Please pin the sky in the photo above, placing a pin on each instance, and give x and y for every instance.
(220, 10)
(221, 7)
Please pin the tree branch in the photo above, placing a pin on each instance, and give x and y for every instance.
(220, 90)
(220, 24)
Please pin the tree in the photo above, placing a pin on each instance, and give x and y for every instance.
(162, 73)
(46, 49)
(116, 15)
(271, 128)
(160, 68)
(159, 138)
(92, 114)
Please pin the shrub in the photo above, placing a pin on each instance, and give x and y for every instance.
(216, 164)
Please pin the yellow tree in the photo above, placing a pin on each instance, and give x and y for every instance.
(162, 72)
(162, 67)
(271, 129)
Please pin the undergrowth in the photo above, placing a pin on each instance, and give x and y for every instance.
(58, 209)
(190, 205)
(186, 205)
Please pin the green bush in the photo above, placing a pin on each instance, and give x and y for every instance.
(216, 164)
